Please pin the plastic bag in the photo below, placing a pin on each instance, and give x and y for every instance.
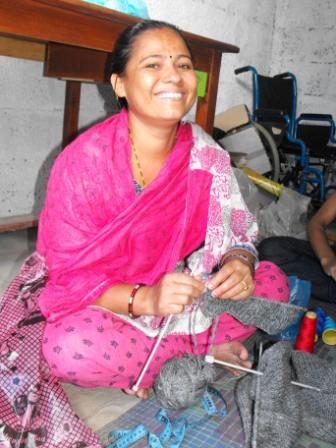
(285, 217)
(136, 8)
(299, 295)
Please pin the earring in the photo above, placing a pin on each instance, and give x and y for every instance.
(117, 99)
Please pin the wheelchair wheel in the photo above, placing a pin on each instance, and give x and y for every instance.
(271, 151)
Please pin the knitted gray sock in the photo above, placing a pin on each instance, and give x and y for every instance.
(275, 420)
(269, 316)
(318, 408)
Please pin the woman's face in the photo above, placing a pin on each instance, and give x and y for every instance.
(159, 82)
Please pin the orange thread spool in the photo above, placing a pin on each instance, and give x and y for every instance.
(306, 337)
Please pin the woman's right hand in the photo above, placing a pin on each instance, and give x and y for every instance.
(171, 294)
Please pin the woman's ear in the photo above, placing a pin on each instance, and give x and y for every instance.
(117, 85)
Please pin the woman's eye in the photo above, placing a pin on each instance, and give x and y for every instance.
(152, 65)
(186, 66)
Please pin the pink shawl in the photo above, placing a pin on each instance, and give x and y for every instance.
(94, 231)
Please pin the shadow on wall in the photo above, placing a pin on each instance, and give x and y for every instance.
(110, 107)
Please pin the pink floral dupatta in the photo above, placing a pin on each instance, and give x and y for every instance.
(94, 231)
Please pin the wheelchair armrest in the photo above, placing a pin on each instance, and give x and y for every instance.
(304, 153)
(271, 115)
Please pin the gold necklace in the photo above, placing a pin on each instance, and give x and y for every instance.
(137, 161)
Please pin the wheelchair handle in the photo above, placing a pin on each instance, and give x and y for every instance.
(247, 68)
(285, 75)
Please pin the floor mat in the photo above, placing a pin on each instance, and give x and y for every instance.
(202, 430)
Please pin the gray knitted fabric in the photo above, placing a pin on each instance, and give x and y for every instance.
(182, 381)
(275, 412)
(269, 316)
(318, 408)
(245, 398)
(268, 404)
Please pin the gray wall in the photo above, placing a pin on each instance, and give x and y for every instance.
(274, 36)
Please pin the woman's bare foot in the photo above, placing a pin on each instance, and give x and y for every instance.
(233, 352)
(141, 393)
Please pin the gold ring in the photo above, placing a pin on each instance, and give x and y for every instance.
(245, 285)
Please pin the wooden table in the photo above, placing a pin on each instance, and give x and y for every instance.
(74, 39)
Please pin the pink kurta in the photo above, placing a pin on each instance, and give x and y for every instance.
(95, 232)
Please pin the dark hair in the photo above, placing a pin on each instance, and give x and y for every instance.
(124, 44)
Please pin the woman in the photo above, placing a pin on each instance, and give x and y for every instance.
(140, 212)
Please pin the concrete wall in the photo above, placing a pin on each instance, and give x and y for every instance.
(304, 43)
(274, 36)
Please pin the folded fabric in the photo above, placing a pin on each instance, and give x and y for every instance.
(268, 404)
(34, 408)
(318, 408)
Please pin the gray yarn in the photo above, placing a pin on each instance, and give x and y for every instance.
(318, 408)
(278, 419)
(269, 316)
(182, 381)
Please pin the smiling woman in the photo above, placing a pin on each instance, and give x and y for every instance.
(143, 214)
(160, 76)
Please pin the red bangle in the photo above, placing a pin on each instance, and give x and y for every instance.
(131, 300)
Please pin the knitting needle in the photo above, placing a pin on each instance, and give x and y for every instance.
(306, 386)
(135, 387)
(211, 360)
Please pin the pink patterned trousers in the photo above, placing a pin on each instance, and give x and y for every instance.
(95, 348)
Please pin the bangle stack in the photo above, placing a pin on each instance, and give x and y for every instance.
(131, 300)
(238, 256)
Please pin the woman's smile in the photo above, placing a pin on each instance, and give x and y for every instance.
(170, 95)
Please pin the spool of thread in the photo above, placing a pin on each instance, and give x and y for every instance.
(306, 338)
(321, 317)
(329, 331)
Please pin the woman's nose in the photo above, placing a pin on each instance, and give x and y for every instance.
(172, 73)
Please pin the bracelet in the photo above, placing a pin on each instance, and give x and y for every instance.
(131, 300)
(248, 248)
(240, 257)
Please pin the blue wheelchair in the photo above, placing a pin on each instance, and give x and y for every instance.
(306, 144)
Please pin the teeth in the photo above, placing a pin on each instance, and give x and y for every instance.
(170, 95)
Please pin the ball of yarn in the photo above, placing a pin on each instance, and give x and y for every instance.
(182, 381)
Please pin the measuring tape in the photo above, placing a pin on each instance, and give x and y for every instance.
(173, 431)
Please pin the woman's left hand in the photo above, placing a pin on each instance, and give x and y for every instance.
(233, 281)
